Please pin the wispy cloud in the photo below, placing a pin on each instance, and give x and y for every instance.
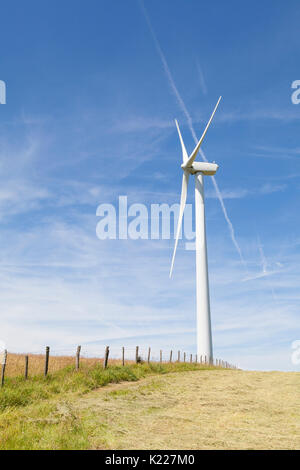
(281, 150)
(239, 193)
(260, 275)
(248, 114)
(277, 153)
(140, 123)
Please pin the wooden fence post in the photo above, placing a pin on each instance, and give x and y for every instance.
(160, 356)
(178, 356)
(196, 358)
(26, 368)
(78, 357)
(106, 357)
(149, 355)
(46, 361)
(123, 356)
(171, 352)
(191, 357)
(137, 355)
(183, 357)
(3, 367)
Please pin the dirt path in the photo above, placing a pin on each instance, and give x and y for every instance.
(197, 410)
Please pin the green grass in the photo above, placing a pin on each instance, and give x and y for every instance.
(18, 392)
(39, 413)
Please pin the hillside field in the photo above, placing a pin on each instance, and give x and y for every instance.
(172, 406)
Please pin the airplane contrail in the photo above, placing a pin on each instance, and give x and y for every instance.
(264, 267)
(190, 125)
(264, 273)
(201, 78)
(262, 256)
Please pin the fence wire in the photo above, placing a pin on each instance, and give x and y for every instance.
(51, 360)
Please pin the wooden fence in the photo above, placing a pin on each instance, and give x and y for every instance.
(181, 357)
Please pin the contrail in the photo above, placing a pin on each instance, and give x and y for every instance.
(190, 124)
(262, 256)
(264, 267)
(265, 273)
(201, 78)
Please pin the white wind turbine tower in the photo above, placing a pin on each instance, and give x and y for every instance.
(190, 167)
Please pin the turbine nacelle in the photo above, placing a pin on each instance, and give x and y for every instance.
(203, 167)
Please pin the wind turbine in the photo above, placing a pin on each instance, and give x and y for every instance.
(190, 167)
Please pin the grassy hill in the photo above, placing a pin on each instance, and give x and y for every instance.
(169, 406)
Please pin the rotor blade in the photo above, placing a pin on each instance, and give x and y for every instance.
(185, 180)
(193, 155)
(184, 152)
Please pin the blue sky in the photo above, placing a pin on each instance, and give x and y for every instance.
(90, 116)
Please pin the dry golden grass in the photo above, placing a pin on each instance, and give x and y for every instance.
(216, 409)
(15, 365)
